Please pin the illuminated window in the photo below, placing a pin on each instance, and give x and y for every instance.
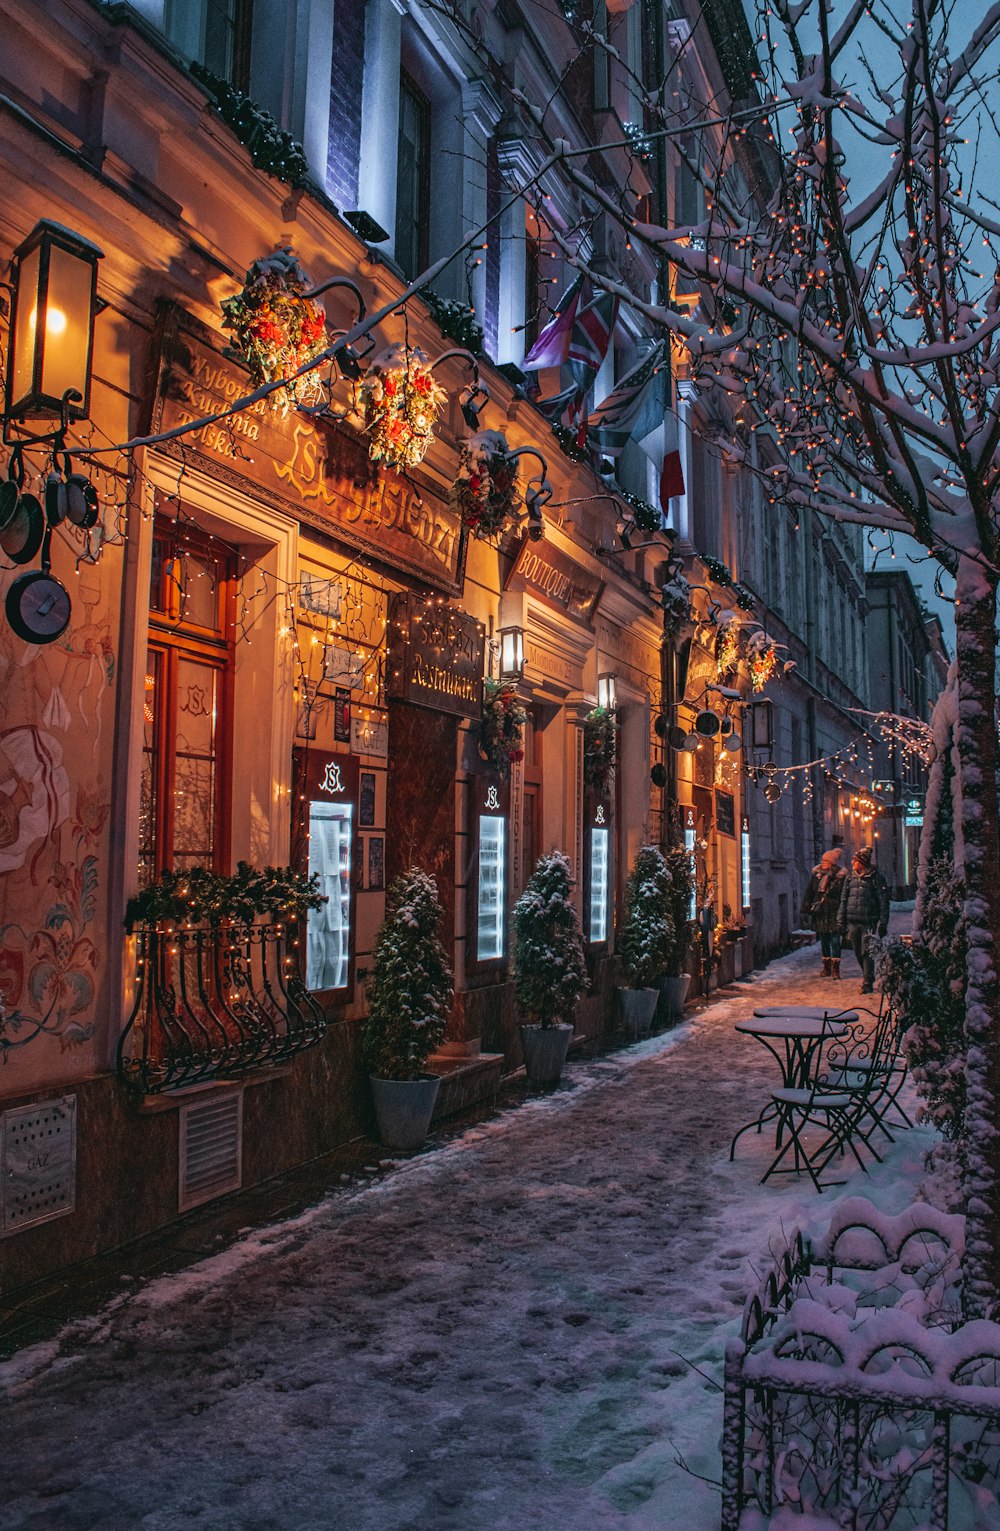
(183, 808)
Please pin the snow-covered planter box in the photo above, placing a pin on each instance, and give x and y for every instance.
(855, 1397)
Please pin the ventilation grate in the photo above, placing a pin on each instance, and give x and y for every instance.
(37, 1163)
(211, 1149)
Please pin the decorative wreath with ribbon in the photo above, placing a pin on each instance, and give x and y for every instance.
(599, 749)
(401, 401)
(762, 656)
(277, 329)
(501, 730)
(727, 647)
(485, 492)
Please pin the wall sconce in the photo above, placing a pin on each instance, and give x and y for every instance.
(607, 692)
(51, 330)
(511, 653)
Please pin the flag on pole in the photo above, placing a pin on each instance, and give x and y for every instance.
(552, 346)
(672, 476)
(593, 328)
(635, 408)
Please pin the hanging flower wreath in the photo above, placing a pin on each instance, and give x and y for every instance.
(276, 329)
(762, 656)
(501, 730)
(727, 648)
(485, 492)
(599, 749)
(401, 402)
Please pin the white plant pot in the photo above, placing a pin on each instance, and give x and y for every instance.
(638, 1007)
(673, 993)
(545, 1049)
(403, 1109)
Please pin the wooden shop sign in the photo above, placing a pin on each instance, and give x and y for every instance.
(316, 472)
(436, 656)
(557, 579)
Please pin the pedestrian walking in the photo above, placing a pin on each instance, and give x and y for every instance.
(864, 909)
(821, 908)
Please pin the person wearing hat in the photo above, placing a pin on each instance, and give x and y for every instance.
(821, 908)
(864, 909)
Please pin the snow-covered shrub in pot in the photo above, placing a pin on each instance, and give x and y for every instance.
(409, 996)
(549, 969)
(675, 982)
(645, 937)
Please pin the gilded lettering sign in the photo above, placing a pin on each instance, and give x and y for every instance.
(436, 656)
(317, 471)
(557, 579)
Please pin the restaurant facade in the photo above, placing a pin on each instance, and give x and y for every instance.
(276, 655)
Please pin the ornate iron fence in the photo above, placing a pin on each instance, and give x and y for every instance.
(211, 1002)
(854, 1392)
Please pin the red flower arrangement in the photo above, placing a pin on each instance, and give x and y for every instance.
(401, 402)
(485, 492)
(501, 729)
(277, 329)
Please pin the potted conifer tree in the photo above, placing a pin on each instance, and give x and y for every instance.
(674, 983)
(549, 969)
(409, 997)
(645, 938)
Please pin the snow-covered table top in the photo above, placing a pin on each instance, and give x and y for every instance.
(801, 1025)
(813, 1012)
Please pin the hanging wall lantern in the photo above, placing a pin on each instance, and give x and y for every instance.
(607, 691)
(52, 326)
(511, 653)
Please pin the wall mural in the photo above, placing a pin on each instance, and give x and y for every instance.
(54, 814)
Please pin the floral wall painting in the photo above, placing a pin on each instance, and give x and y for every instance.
(34, 794)
(55, 808)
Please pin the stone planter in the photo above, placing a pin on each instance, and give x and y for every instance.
(403, 1109)
(637, 1009)
(673, 993)
(727, 962)
(545, 1049)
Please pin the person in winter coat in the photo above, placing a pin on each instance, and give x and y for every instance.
(864, 909)
(821, 908)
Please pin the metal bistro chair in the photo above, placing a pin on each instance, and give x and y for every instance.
(833, 1102)
(873, 1061)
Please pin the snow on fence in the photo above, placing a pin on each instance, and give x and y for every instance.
(855, 1395)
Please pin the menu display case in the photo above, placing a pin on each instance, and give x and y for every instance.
(326, 846)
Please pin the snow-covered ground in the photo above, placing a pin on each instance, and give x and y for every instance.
(520, 1328)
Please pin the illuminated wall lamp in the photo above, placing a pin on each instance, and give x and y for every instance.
(52, 330)
(607, 692)
(511, 653)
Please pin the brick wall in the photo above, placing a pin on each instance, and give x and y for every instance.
(345, 102)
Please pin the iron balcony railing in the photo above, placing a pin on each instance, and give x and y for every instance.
(214, 1001)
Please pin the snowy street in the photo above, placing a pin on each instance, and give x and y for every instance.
(520, 1328)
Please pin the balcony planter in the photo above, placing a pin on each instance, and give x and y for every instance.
(217, 986)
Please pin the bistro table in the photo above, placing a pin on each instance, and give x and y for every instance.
(809, 1012)
(792, 1034)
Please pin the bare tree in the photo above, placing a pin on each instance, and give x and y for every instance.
(856, 331)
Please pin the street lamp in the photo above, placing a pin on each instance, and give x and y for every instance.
(51, 330)
(607, 691)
